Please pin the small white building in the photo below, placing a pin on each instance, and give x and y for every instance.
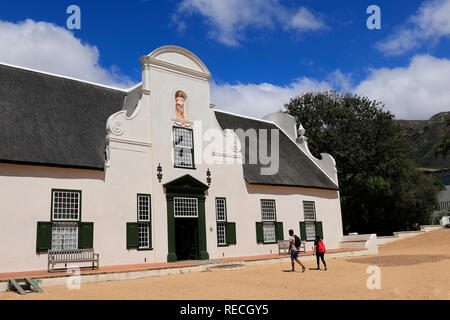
(151, 174)
(443, 195)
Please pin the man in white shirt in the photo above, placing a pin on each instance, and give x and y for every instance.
(294, 251)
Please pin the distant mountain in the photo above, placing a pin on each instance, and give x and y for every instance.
(424, 136)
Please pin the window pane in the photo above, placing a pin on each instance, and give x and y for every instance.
(269, 232)
(309, 210)
(221, 233)
(221, 210)
(185, 207)
(183, 147)
(66, 205)
(183, 157)
(64, 236)
(144, 233)
(182, 138)
(268, 210)
(310, 231)
(144, 208)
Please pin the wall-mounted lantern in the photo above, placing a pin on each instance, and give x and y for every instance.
(208, 177)
(159, 170)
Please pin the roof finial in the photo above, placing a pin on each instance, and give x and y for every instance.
(301, 130)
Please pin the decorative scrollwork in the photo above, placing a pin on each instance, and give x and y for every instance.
(184, 124)
(236, 144)
(117, 128)
(233, 142)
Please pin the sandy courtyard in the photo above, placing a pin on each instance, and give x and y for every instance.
(413, 268)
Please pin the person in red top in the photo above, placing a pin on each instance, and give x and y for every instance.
(294, 252)
(319, 251)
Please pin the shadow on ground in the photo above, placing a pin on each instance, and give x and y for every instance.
(399, 260)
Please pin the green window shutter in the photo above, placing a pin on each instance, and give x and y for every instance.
(259, 232)
(303, 231)
(230, 229)
(319, 229)
(279, 231)
(44, 236)
(132, 235)
(149, 235)
(86, 235)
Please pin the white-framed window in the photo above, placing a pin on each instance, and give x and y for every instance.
(268, 210)
(221, 209)
(144, 221)
(144, 235)
(221, 216)
(309, 213)
(183, 146)
(309, 210)
(66, 205)
(185, 207)
(310, 230)
(143, 207)
(64, 236)
(268, 215)
(221, 236)
(269, 232)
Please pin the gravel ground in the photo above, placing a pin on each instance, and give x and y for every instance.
(412, 268)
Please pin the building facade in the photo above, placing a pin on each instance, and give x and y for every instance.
(443, 195)
(151, 174)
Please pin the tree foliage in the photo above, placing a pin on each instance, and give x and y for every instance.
(443, 149)
(381, 191)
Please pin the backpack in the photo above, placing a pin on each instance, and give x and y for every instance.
(321, 247)
(297, 241)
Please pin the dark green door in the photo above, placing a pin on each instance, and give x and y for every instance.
(186, 238)
(182, 234)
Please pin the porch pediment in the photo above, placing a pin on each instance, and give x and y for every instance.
(186, 183)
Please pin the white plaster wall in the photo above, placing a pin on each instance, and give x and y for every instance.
(108, 200)
(244, 208)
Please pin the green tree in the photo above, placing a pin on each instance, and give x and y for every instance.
(440, 186)
(443, 148)
(381, 191)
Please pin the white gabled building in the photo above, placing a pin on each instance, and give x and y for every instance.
(142, 180)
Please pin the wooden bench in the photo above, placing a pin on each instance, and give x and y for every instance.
(72, 256)
(284, 245)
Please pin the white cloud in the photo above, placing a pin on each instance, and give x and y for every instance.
(416, 92)
(304, 20)
(340, 81)
(231, 18)
(47, 47)
(258, 100)
(430, 23)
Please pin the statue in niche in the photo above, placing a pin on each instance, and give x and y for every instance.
(180, 99)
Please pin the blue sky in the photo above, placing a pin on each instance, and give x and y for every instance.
(265, 50)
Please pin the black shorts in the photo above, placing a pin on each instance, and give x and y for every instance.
(294, 254)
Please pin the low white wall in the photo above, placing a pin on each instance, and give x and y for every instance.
(407, 234)
(386, 239)
(363, 241)
(431, 227)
